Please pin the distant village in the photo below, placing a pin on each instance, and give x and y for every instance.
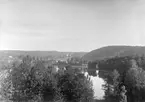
(63, 62)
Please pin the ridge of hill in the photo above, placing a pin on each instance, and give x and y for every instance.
(112, 51)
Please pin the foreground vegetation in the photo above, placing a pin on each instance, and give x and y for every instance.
(128, 71)
(33, 80)
(29, 80)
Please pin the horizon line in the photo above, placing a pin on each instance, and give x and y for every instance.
(43, 50)
(71, 51)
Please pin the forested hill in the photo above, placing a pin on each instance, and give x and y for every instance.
(112, 51)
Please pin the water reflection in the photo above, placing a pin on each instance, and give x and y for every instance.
(97, 84)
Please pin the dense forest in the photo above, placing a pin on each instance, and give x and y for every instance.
(119, 63)
(30, 80)
(127, 72)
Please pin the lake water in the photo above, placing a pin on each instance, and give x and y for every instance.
(97, 86)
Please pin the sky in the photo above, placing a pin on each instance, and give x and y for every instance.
(71, 25)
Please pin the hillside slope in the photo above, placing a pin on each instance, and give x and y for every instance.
(111, 51)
